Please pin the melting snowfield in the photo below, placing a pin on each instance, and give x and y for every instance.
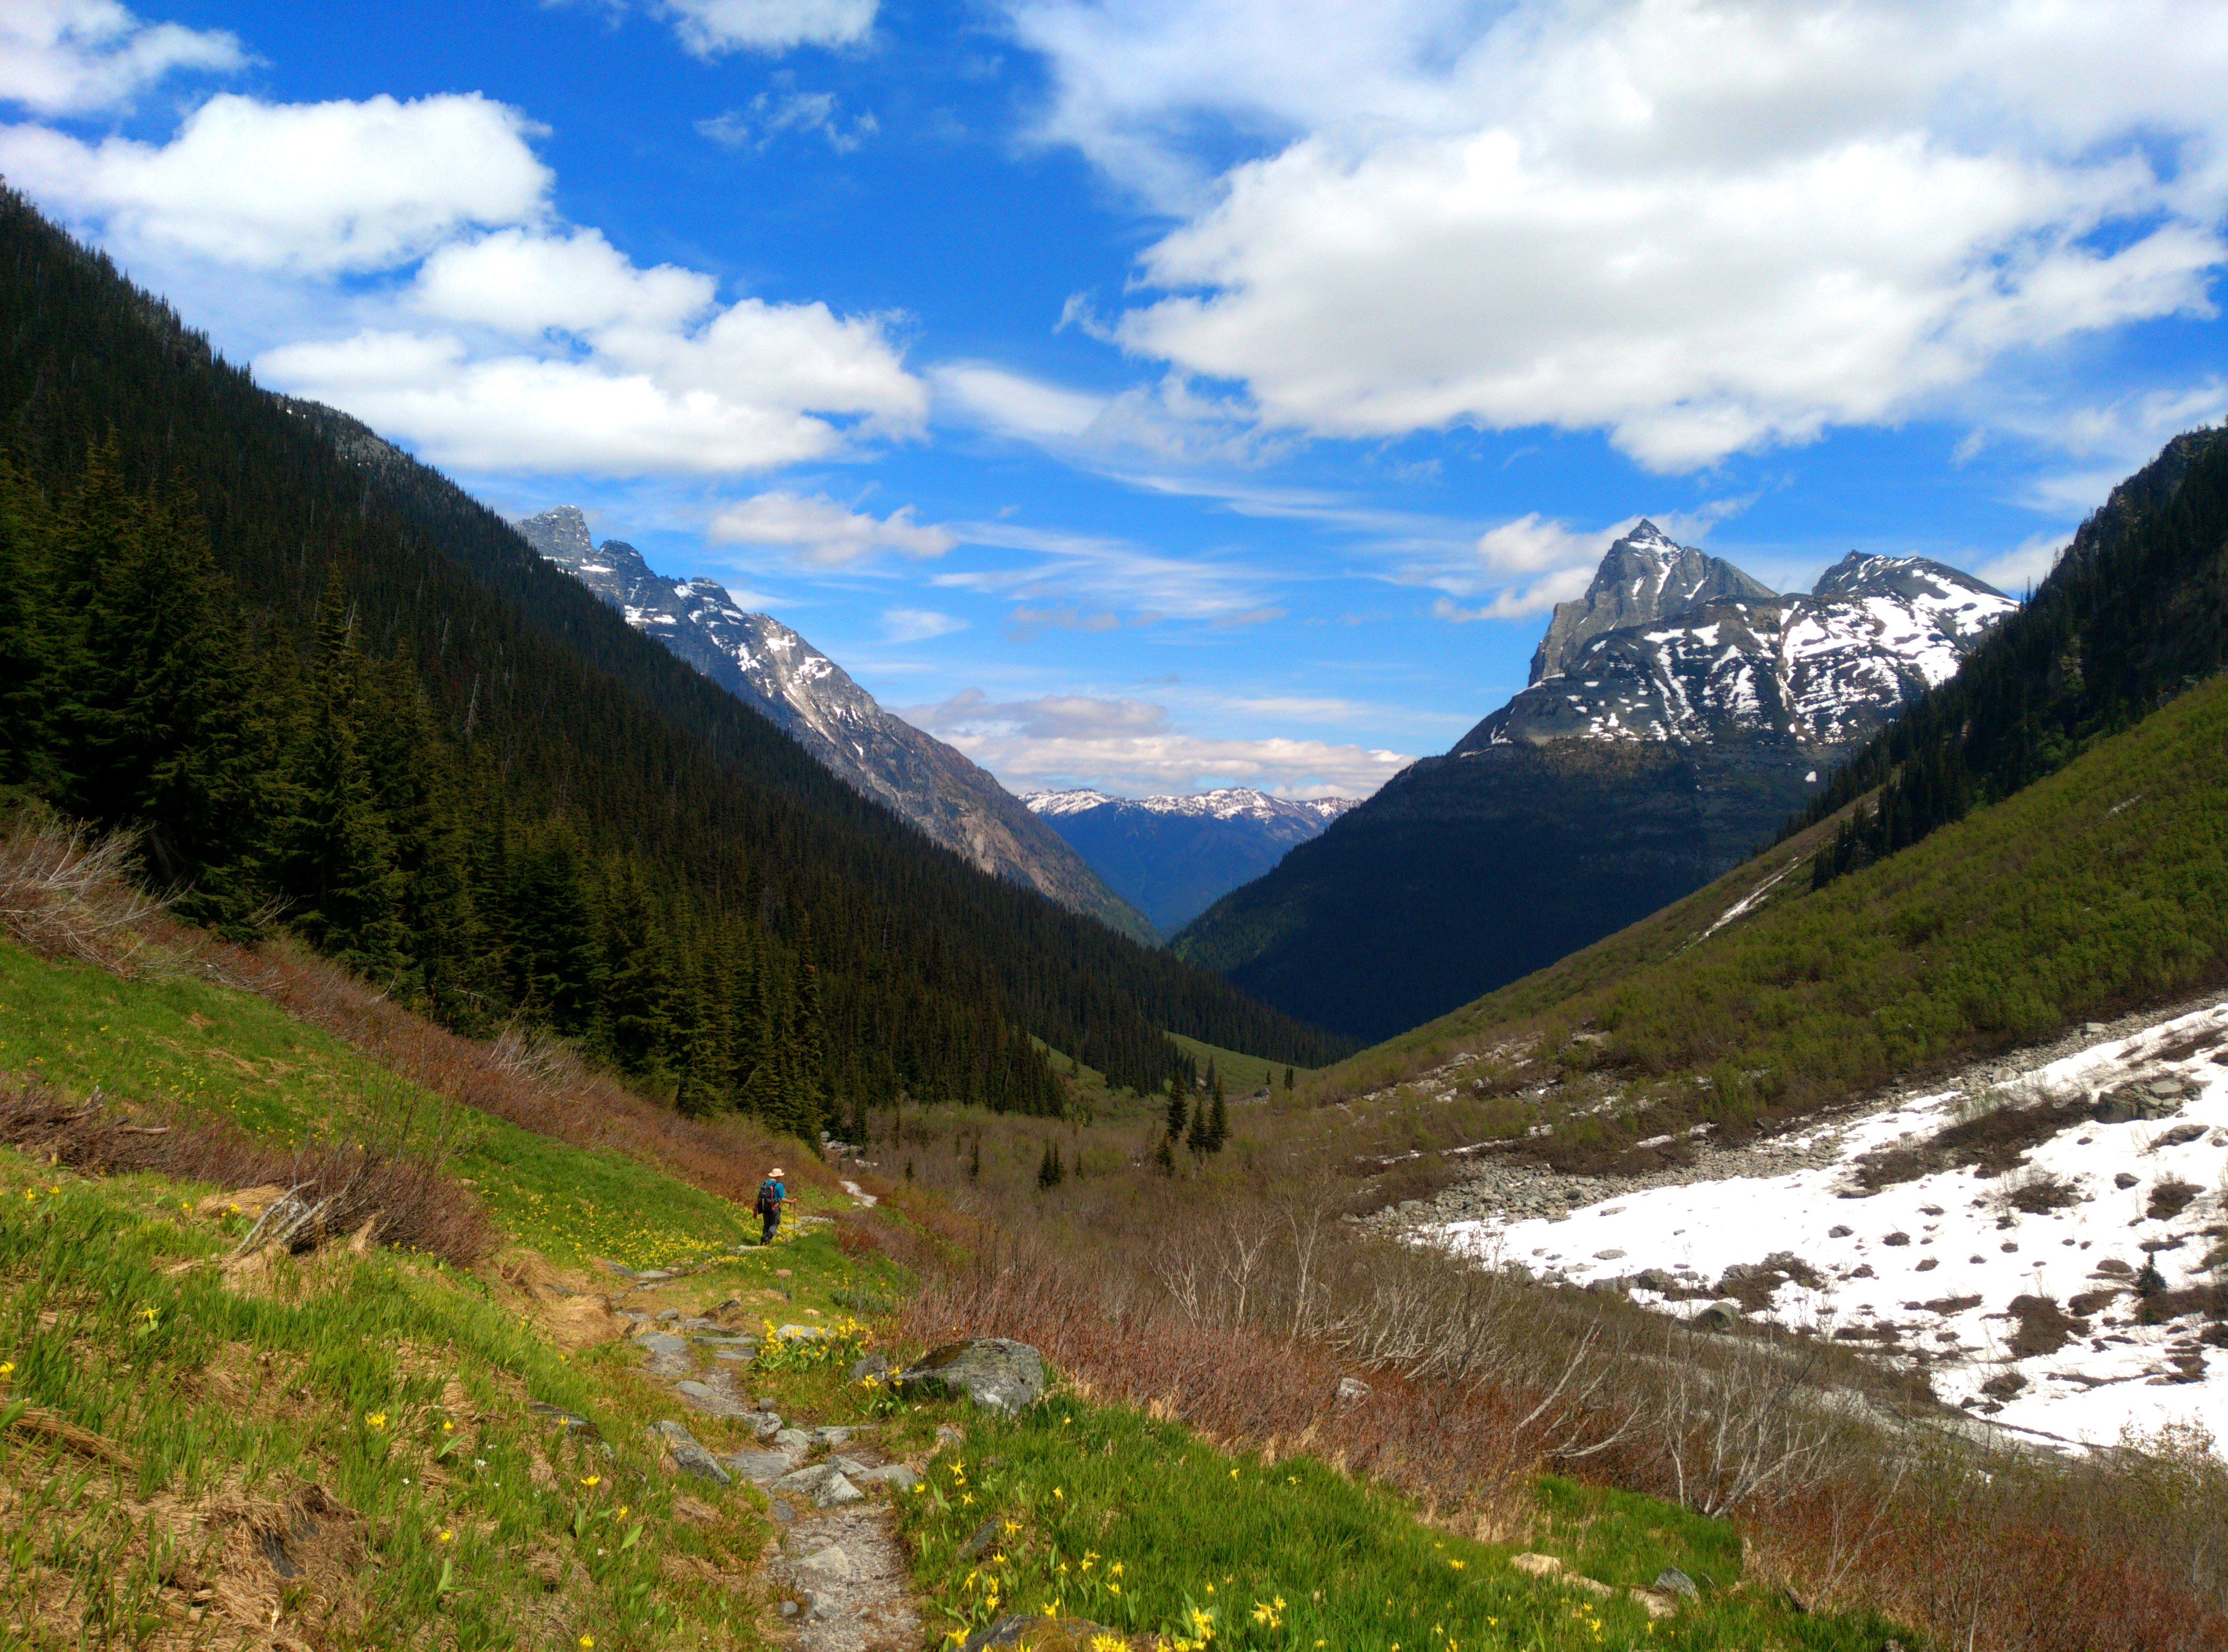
(1998, 1243)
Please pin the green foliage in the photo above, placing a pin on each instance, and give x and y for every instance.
(309, 670)
(394, 1387)
(1097, 1513)
(2102, 886)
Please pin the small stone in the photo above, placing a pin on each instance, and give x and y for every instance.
(1932, 1263)
(831, 1562)
(947, 1435)
(2125, 1180)
(1897, 1238)
(1608, 1256)
(690, 1458)
(1351, 1389)
(789, 1609)
(1718, 1316)
(767, 1402)
(830, 1436)
(979, 1545)
(795, 1441)
(838, 1492)
(890, 1473)
(766, 1425)
(874, 1365)
(664, 1343)
(668, 1314)
(1839, 1232)
(1672, 1581)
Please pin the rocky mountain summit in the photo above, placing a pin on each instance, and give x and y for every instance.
(1174, 857)
(1677, 713)
(773, 669)
(1819, 671)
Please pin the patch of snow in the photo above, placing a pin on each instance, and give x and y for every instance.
(1924, 1272)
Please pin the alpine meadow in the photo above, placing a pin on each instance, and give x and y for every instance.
(1063, 824)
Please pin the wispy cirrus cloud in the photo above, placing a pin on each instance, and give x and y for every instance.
(1133, 746)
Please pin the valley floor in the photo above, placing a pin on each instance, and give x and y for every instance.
(1998, 1240)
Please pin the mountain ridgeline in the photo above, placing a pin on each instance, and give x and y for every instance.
(769, 668)
(2132, 615)
(1172, 857)
(314, 674)
(1678, 713)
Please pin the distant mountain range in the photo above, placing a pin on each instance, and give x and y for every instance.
(1678, 713)
(1172, 857)
(775, 671)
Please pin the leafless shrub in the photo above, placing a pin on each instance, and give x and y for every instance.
(66, 892)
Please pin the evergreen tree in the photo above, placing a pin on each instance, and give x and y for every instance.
(1199, 1138)
(1218, 1127)
(415, 789)
(634, 993)
(1289, 1084)
(1050, 1172)
(339, 865)
(552, 926)
(1176, 1113)
(26, 534)
(808, 1099)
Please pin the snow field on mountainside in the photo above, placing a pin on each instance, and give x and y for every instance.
(2016, 1294)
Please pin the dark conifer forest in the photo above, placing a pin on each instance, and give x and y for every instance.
(335, 694)
(2128, 618)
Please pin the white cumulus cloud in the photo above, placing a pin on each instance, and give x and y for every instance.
(318, 188)
(72, 57)
(821, 531)
(1701, 226)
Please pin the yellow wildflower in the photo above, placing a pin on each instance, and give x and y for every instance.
(593, 1480)
(445, 1537)
(374, 1420)
(586, 1641)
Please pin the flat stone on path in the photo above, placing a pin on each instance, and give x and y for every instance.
(689, 1457)
(714, 1401)
(664, 1343)
(760, 1467)
(894, 1474)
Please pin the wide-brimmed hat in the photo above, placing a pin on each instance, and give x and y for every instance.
(775, 1171)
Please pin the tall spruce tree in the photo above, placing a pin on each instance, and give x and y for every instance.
(339, 862)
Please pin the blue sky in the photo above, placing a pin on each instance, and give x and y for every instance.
(1160, 395)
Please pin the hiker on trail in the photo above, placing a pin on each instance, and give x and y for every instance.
(771, 1195)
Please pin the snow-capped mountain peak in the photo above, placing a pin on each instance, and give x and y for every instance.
(1644, 576)
(1734, 661)
(1174, 856)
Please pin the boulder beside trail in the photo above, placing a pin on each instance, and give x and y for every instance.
(997, 1373)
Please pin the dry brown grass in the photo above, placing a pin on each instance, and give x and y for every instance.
(402, 1197)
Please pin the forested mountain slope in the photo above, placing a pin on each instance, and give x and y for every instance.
(2136, 611)
(769, 667)
(325, 676)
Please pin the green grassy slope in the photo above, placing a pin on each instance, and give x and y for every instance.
(182, 1039)
(2102, 887)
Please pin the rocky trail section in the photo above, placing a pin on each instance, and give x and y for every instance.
(842, 1574)
(2043, 1240)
